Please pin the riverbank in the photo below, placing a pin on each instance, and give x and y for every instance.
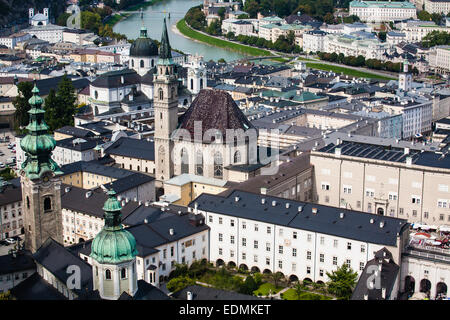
(142, 5)
(117, 18)
(187, 31)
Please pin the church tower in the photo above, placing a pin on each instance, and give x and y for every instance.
(165, 102)
(405, 78)
(196, 75)
(113, 253)
(41, 186)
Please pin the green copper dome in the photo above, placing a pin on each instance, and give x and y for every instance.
(38, 144)
(113, 244)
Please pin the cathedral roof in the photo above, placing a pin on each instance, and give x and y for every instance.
(143, 46)
(216, 109)
(117, 79)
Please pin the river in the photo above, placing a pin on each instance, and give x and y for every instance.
(153, 20)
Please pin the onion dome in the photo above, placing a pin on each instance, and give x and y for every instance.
(143, 46)
(38, 144)
(113, 244)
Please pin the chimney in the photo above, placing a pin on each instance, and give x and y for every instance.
(341, 215)
(146, 203)
(381, 224)
(263, 200)
(236, 199)
(171, 232)
(196, 208)
(300, 208)
(314, 210)
(189, 295)
(287, 205)
(408, 161)
(372, 221)
(406, 151)
(274, 203)
(337, 151)
(67, 189)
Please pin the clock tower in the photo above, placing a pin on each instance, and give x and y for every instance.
(41, 186)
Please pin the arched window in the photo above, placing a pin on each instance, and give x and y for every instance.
(142, 63)
(184, 161)
(201, 83)
(28, 202)
(218, 165)
(192, 84)
(237, 157)
(123, 273)
(107, 274)
(96, 94)
(161, 94)
(47, 204)
(199, 163)
(132, 63)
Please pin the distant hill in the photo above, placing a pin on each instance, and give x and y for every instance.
(12, 13)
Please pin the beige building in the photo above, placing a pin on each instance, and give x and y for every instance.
(437, 6)
(387, 178)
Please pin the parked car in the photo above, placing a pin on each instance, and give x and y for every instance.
(4, 243)
(2, 165)
(10, 240)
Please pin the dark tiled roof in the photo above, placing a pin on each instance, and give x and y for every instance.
(76, 200)
(56, 259)
(132, 181)
(354, 225)
(23, 261)
(36, 288)
(10, 194)
(113, 79)
(146, 291)
(205, 293)
(216, 110)
(76, 144)
(75, 132)
(389, 273)
(133, 148)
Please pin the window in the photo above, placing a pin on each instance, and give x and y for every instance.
(322, 257)
(244, 242)
(363, 248)
(231, 253)
(415, 199)
(325, 186)
(165, 253)
(199, 163)
(171, 251)
(47, 204)
(280, 232)
(361, 266)
(107, 274)
(267, 246)
(308, 270)
(218, 170)
(220, 220)
(348, 262)
(210, 219)
(255, 244)
(123, 273)
(358, 204)
(232, 239)
(220, 251)
(309, 237)
(349, 246)
(256, 227)
(280, 264)
(244, 256)
(232, 223)
(294, 266)
(255, 258)
(268, 261)
(294, 252)
(370, 193)
(268, 230)
(244, 226)
(335, 261)
(220, 237)
(321, 272)
(280, 249)
(161, 94)
(392, 196)
(347, 189)
(237, 157)
(184, 157)
(322, 240)
(294, 235)
(441, 217)
(308, 255)
(335, 243)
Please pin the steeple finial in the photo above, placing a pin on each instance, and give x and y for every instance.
(165, 52)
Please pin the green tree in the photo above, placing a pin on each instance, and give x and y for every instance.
(221, 13)
(6, 296)
(342, 281)
(382, 35)
(62, 19)
(436, 17)
(221, 60)
(276, 277)
(424, 15)
(177, 284)
(91, 21)
(21, 104)
(248, 286)
(251, 7)
(8, 174)
(328, 18)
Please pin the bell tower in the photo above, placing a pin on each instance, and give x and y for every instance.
(41, 186)
(165, 101)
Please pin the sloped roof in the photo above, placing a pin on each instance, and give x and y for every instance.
(216, 110)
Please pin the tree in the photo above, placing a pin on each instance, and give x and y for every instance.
(91, 21)
(6, 296)
(252, 8)
(382, 35)
(21, 104)
(221, 13)
(436, 17)
(342, 281)
(52, 111)
(62, 19)
(276, 277)
(177, 284)
(328, 18)
(8, 174)
(248, 286)
(424, 16)
(221, 60)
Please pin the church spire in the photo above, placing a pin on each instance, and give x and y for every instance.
(38, 144)
(165, 52)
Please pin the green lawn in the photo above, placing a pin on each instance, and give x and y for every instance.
(189, 32)
(264, 289)
(347, 71)
(290, 294)
(116, 18)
